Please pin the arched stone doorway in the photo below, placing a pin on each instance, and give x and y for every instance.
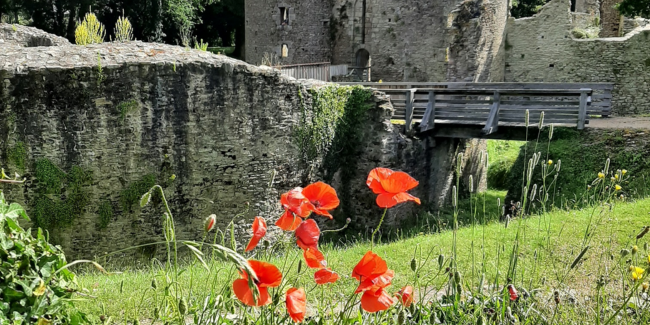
(363, 63)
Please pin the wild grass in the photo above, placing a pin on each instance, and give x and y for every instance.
(541, 265)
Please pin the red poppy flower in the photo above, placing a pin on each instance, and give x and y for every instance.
(513, 292)
(268, 276)
(322, 197)
(376, 301)
(288, 221)
(307, 234)
(324, 276)
(370, 267)
(391, 187)
(296, 206)
(296, 300)
(314, 258)
(259, 230)
(380, 282)
(406, 296)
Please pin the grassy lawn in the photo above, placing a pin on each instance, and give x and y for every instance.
(548, 245)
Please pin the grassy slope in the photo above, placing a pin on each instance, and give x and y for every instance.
(555, 252)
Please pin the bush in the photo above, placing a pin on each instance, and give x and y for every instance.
(502, 156)
(89, 31)
(33, 286)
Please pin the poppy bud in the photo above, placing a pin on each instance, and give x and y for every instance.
(457, 277)
(182, 306)
(624, 252)
(441, 261)
(413, 265)
(401, 317)
(154, 284)
(210, 222)
(514, 295)
(556, 294)
(642, 233)
(299, 266)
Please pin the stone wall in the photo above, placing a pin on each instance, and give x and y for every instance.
(23, 36)
(92, 128)
(610, 19)
(541, 49)
(305, 33)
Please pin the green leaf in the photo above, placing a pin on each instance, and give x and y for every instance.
(198, 255)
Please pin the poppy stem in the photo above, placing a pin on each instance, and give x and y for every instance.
(372, 237)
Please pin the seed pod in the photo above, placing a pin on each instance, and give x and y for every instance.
(527, 118)
(643, 232)
(441, 261)
(556, 296)
(414, 265)
(541, 120)
(471, 184)
(607, 166)
(624, 252)
(154, 284)
(550, 133)
(559, 164)
(182, 306)
(457, 277)
(498, 202)
(507, 220)
(299, 266)
(577, 260)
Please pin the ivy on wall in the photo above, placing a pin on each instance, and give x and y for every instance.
(60, 197)
(17, 155)
(335, 114)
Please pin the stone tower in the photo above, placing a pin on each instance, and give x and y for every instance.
(294, 31)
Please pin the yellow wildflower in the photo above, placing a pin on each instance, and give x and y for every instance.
(648, 258)
(616, 176)
(601, 175)
(550, 162)
(380, 81)
(637, 274)
(618, 187)
(635, 249)
(624, 171)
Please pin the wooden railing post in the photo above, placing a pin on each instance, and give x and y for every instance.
(582, 113)
(409, 109)
(429, 118)
(492, 124)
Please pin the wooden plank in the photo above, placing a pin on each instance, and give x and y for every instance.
(540, 102)
(429, 116)
(409, 110)
(583, 111)
(492, 124)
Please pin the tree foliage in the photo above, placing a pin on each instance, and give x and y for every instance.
(633, 8)
(218, 22)
(526, 8)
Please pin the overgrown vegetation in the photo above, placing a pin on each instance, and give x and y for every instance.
(582, 154)
(502, 156)
(334, 118)
(60, 197)
(127, 107)
(105, 213)
(17, 155)
(90, 31)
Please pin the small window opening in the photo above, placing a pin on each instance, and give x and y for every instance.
(285, 50)
(284, 16)
(551, 65)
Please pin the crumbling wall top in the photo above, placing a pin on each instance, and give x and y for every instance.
(23, 36)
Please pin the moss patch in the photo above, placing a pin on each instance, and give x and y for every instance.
(61, 197)
(105, 212)
(125, 108)
(131, 195)
(17, 156)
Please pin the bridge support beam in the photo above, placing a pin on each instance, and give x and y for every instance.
(492, 124)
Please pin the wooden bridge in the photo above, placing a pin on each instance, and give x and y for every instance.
(494, 110)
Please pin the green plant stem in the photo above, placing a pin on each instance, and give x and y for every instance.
(372, 237)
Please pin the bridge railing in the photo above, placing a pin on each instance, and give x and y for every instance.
(600, 102)
(320, 71)
(490, 108)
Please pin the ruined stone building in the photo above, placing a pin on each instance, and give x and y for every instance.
(454, 40)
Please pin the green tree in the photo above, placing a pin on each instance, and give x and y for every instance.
(633, 8)
(526, 8)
